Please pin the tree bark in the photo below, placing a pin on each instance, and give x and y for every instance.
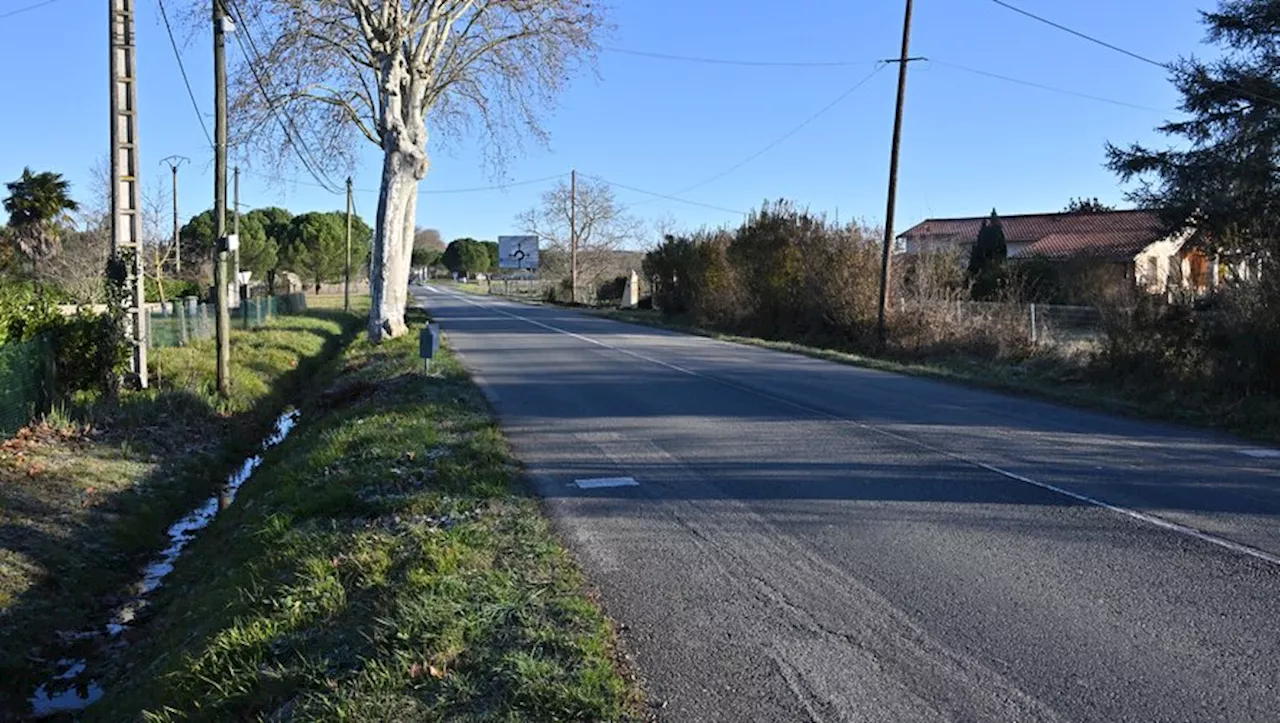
(404, 144)
(392, 247)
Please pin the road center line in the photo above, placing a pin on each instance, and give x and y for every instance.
(1149, 519)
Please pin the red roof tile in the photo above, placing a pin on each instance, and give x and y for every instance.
(1117, 245)
(1113, 234)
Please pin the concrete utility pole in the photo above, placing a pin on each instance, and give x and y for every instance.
(126, 202)
(173, 163)
(346, 286)
(573, 236)
(886, 258)
(221, 24)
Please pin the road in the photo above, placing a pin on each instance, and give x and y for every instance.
(813, 541)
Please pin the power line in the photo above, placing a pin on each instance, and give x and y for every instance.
(1083, 36)
(182, 69)
(499, 187)
(785, 136)
(665, 196)
(424, 192)
(11, 13)
(1041, 86)
(748, 63)
(1167, 66)
(300, 147)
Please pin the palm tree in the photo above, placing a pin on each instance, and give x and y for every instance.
(36, 203)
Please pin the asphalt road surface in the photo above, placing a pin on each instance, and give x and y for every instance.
(812, 541)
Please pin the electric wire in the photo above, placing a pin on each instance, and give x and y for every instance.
(296, 140)
(1041, 86)
(747, 63)
(164, 15)
(785, 136)
(668, 197)
(1116, 48)
(11, 13)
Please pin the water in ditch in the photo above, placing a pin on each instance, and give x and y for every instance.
(70, 689)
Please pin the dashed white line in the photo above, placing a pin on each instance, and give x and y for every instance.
(594, 483)
(1261, 453)
(1149, 519)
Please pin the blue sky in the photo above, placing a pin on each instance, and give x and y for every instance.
(970, 142)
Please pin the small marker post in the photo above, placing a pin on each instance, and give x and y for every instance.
(428, 345)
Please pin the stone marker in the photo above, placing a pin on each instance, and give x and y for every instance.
(631, 297)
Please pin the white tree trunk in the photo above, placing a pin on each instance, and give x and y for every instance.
(404, 163)
(392, 246)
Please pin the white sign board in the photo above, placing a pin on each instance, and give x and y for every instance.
(518, 252)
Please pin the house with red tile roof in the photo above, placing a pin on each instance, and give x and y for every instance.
(1132, 245)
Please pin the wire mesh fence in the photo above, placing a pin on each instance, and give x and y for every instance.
(28, 382)
(185, 321)
(24, 367)
(1070, 328)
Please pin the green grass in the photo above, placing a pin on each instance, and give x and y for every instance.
(385, 563)
(85, 500)
(1046, 378)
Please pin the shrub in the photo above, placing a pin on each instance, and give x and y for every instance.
(24, 314)
(559, 293)
(173, 289)
(612, 290)
(87, 352)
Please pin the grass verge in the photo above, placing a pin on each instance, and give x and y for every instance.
(385, 563)
(1053, 380)
(85, 499)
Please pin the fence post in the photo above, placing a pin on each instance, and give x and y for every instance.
(179, 312)
(1034, 334)
(49, 388)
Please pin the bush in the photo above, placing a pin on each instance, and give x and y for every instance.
(612, 290)
(173, 289)
(783, 274)
(87, 352)
(87, 349)
(559, 293)
(1230, 343)
(23, 314)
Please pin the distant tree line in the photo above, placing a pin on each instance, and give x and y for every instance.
(312, 245)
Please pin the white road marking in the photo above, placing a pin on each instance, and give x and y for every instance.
(595, 483)
(1261, 453)
(1125, 511)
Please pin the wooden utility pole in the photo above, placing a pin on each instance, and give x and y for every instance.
(126, 202)
(235, 223)
(346, 286)
(174, 162)
(573, 236)
(886, 258)
(221, 24)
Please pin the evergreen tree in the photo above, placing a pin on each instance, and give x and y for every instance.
(986, 260)
(1087, 205)
(317, 249)
(466, 256)
(1223, 179)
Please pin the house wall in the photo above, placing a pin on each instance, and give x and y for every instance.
(1016, 247)
(923, 246)
(1161, 265)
